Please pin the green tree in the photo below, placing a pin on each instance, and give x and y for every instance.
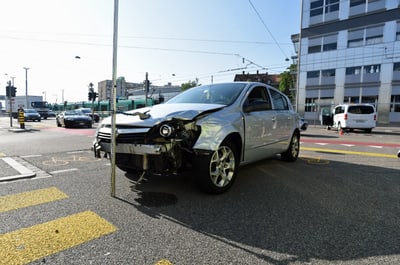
(190, 84)
(287, 82)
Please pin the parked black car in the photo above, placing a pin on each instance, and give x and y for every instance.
(89, 113)
(31, 115)
(73, 118)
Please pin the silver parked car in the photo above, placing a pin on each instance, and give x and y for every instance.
(210, 129)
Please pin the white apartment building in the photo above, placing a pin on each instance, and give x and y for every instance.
(349, 53)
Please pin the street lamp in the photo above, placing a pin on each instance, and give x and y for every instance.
(26, 86)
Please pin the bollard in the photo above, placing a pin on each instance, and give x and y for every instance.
(21, 118)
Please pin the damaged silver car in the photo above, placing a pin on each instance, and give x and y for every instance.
(209, 129)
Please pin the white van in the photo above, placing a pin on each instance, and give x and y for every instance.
(354, 116)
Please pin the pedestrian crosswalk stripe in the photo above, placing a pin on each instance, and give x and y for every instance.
(32, 243)
(30, 198)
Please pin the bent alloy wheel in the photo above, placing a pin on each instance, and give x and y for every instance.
(216, 172)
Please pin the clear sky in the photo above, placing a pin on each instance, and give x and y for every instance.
(173, 40)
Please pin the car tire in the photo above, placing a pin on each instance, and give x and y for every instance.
(216, 172)
(292, 153)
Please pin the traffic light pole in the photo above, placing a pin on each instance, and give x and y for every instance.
(9, 92)
(9, 99)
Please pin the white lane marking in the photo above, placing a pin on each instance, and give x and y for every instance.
(63, 171)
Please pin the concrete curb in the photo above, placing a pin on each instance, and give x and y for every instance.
(24, 172)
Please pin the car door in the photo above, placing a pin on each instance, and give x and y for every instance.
(284, 118)
(338, 113)
(259, 124)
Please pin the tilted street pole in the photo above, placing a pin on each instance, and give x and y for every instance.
(114, 98)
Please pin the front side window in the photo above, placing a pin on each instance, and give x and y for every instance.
(258, 96)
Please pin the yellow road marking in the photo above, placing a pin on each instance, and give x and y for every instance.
(30, 198)
(348, 152)
(29, 244)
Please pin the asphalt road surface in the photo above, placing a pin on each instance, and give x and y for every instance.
(338, 204)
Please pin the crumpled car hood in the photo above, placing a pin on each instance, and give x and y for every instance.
(162, 112)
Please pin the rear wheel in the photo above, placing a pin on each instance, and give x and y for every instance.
(293, 150)
(216, 172)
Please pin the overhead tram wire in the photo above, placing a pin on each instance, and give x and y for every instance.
(270, 33)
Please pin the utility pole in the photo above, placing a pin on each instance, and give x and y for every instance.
(10, 101)
(26, 87)
(146, 88)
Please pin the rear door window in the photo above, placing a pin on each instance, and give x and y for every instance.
(280, 102)
(361, 110)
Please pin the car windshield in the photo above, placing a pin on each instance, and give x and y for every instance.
(224, 94)
(30, 111)
(86, 110)
(73, 112)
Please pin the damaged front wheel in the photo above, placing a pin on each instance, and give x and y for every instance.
(216, 172)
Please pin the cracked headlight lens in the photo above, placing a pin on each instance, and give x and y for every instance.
(166, 130)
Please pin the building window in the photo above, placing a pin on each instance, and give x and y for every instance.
(353, 70)
(331, 6)
(357, 2)
(358, 7)
(396, 67)
(316, 8)
(398, 31)
(328, 73)
(366, 36)
(313, 74)
(320, 7)
(374, 35)
(395, 103)
(314, 49)
(322, 44)
(311, 105)
(371, 69)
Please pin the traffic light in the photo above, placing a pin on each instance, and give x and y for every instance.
(90, 95)
(8, 91)
(13, 91)
(95, 95)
